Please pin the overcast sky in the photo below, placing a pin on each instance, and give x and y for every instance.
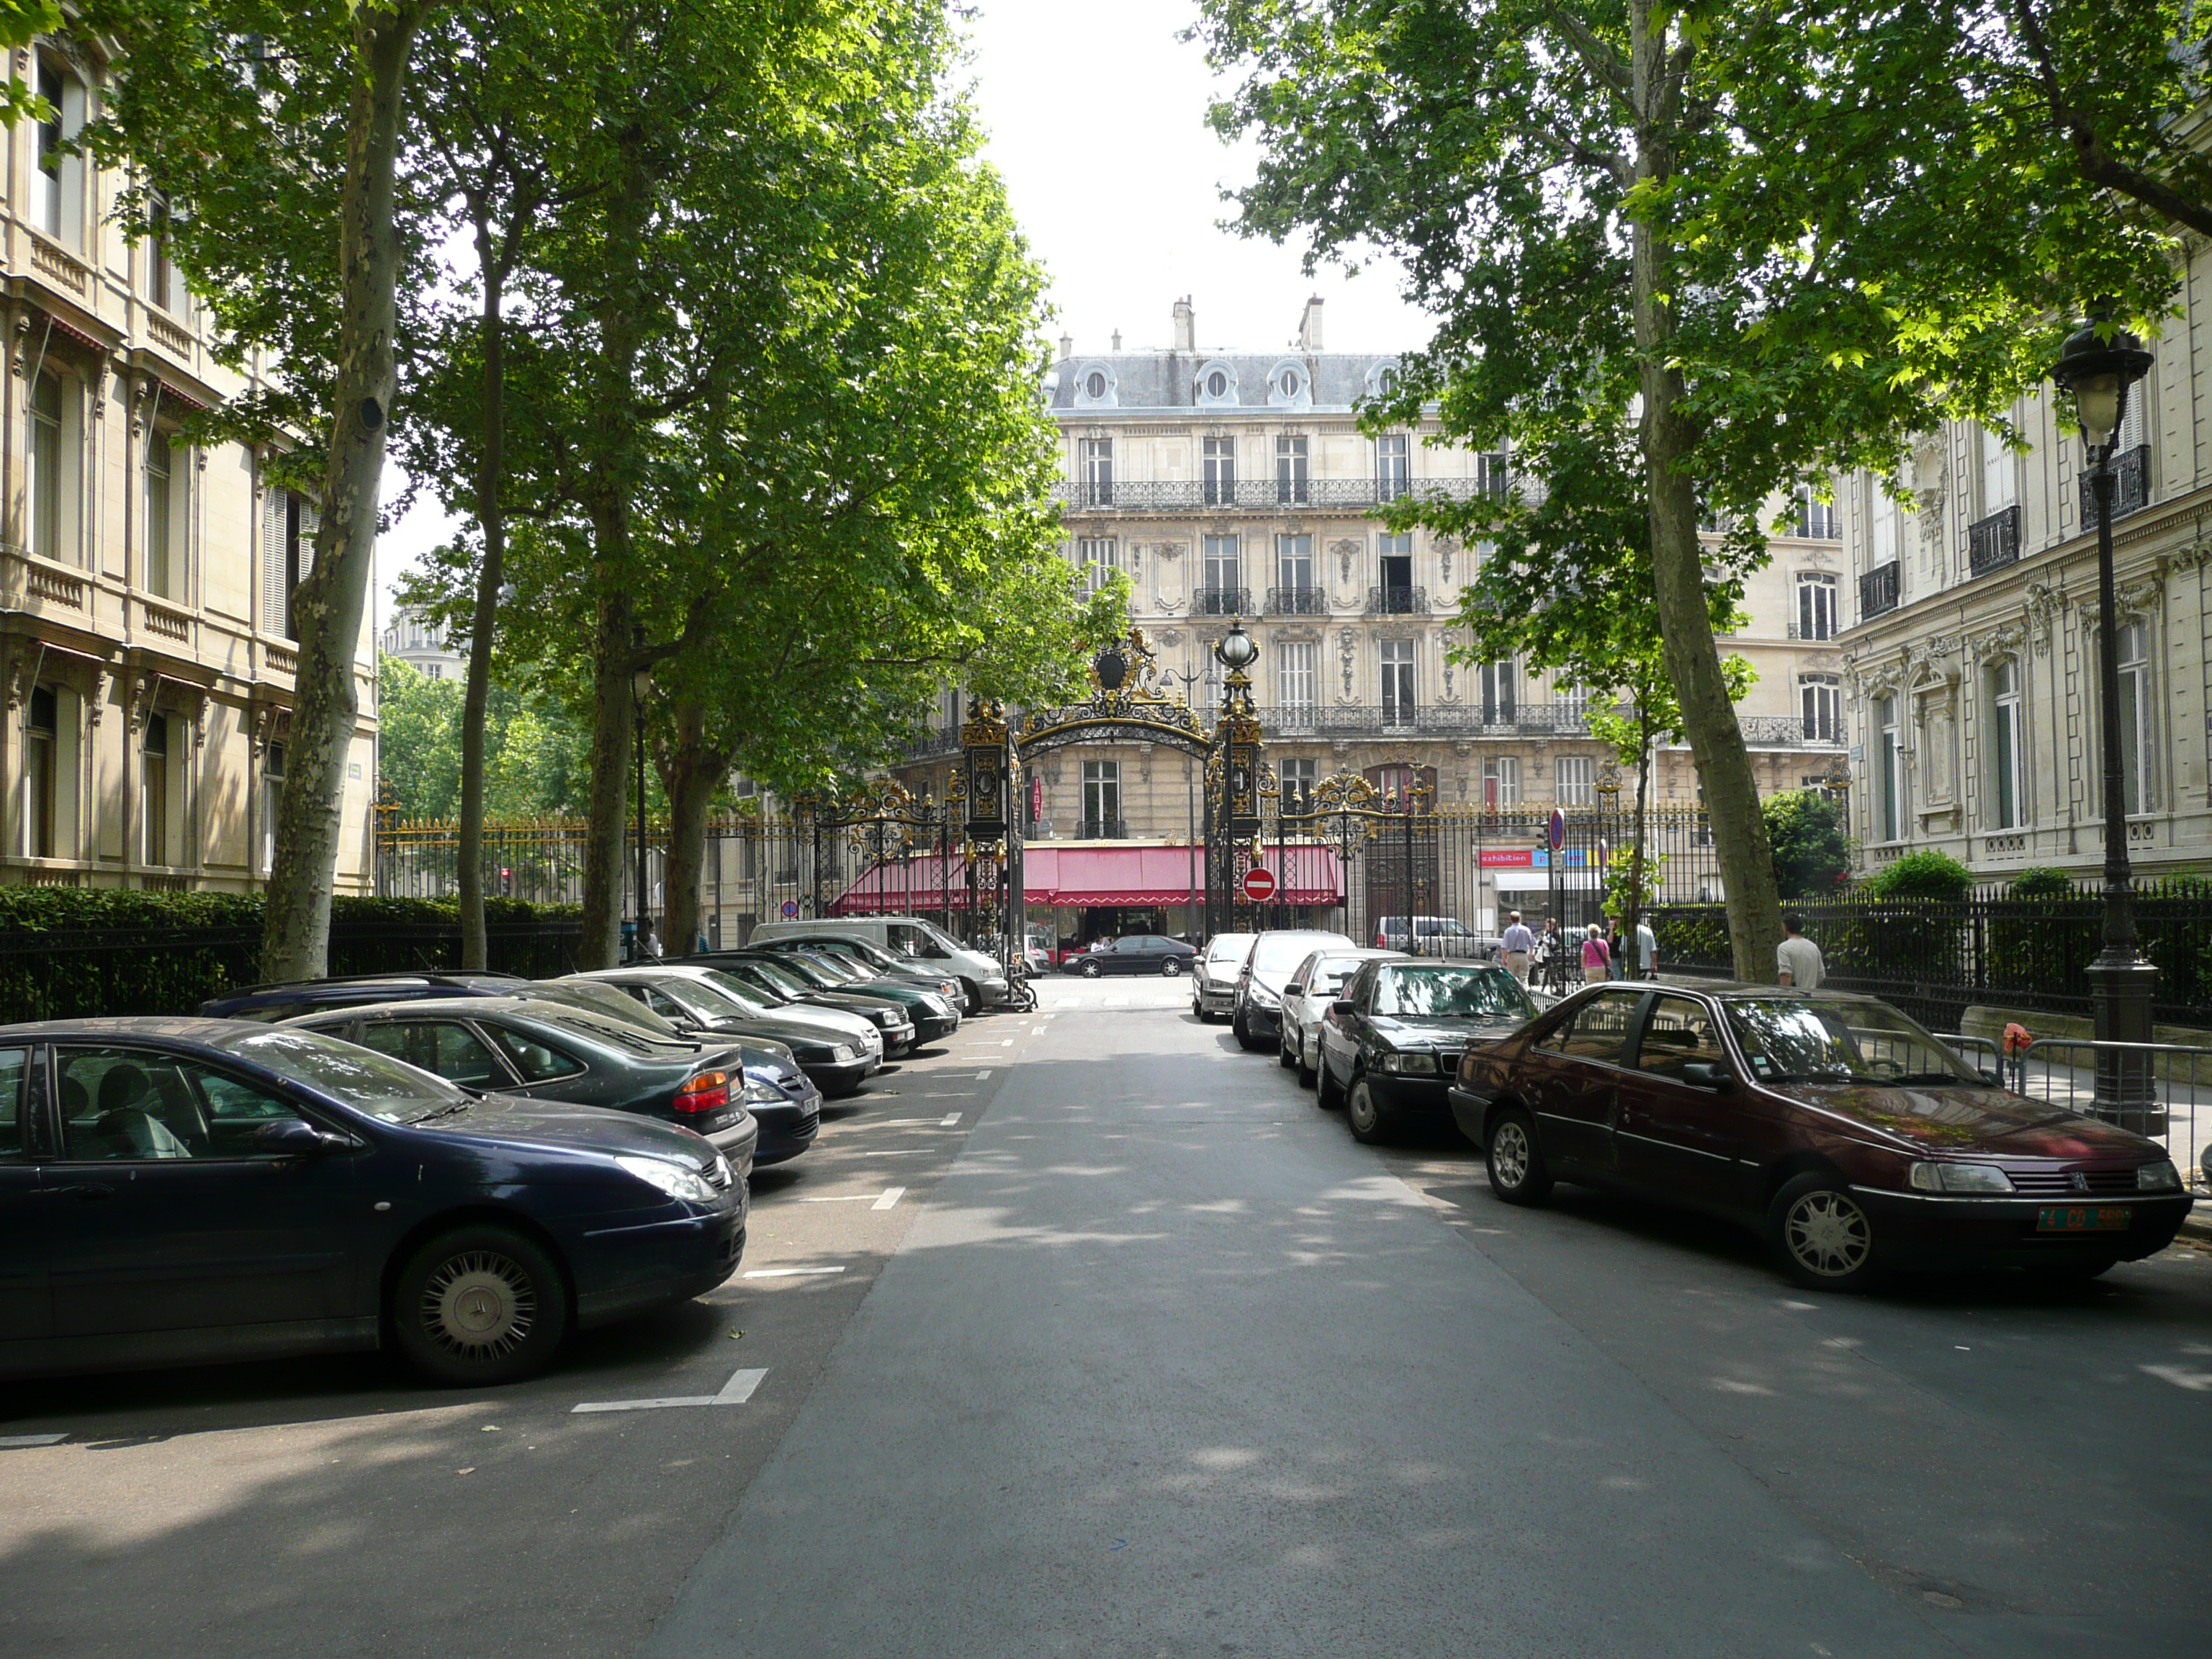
(1096, 118)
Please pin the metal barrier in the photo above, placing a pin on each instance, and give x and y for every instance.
(2162, 1090)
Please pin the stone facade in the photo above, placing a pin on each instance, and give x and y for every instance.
(144, 584)
(419, 643)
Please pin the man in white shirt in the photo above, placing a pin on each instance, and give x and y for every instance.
(1797, 958)
(1516, 945)
(1647, 950)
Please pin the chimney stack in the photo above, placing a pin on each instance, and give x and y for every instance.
(1067, 345)
(1118, 339)
(1310, 327)
(1186, 326)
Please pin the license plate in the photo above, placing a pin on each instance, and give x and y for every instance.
(2082, 1219)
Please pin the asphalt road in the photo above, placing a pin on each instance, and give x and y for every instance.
(1147, 1358)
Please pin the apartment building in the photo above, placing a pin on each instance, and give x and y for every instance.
(419, 643)
(1972, 663)
(145, 629)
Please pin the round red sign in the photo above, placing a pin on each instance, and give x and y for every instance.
(1259, 884)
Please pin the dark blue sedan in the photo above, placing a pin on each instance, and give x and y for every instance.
(180, 1191)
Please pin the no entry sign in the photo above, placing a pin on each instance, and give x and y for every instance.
(1259, 884)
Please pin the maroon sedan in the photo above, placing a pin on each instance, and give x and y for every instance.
(1851, 1137)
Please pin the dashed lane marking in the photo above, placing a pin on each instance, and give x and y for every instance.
(949, 1121)
(982, 1076)
(875, 1199)
(11, 1440)
(788, 1272)
(735, 1392)
(890, 1197)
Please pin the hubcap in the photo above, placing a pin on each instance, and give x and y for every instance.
(1827, 1234)
(479, 1305)
(1509, 1155)
(1362, 1107)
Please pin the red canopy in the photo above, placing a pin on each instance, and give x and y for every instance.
(1073, 874)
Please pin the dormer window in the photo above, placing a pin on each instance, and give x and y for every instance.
(1290, 382)
(1217, 384)
(1094, 384)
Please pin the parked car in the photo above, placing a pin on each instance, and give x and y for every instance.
(1437, 936)
(783, 981)
(1313, 987)
(1849, 1136)
(543, 1051)
(878, 963)
(1134, 953)
(284, 1000)
(1214, 975)
(1255, 1008)
(268, 1191)
(839, 1051)
(915, 939)
(1391, 1044)
(933, 1009)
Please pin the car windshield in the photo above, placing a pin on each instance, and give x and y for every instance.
(599, 1028)
(790, 976)
(1840, 1040)
(1452, 993)
(714, 994)
(1330, 973)
(597, 997)
(1229, 947)
(867, 953)
(1276, 954)
(353, 1076)
(833, 967)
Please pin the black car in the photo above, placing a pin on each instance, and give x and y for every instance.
(784, 981)
(187, 1191)
(1255, 1008)
(543, 1050)
(870, 960)
(840, 1051)
(290, 1000)
(1390, 1045)
(1133, 953)
(933, 1009)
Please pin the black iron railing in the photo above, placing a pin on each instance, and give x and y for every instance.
(1397, 601)
(1297, 602)
(1786, 732)
(1878, 590)
(1441, 720)
(2130, 487)
(1102, 829)
(1994, 543)
(1221, 602)
(1251, 495)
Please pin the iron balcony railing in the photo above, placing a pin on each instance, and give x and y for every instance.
(1787, 731)
(1994, 543)
(1102, 829)
(1439, 720)
(2130, 487)
(1251, 495)
(1397, 601)
(1221, 602)
(1297, 602)
(1878, 590)
(932, 744)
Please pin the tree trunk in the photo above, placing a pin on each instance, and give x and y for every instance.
(695, 769)
(329, 604)
(1685, 627)
(491, 517)
(607, 804)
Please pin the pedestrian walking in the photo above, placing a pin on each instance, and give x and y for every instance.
(1647, 950)
(1597, 961)
(1517, 943)
(649, 943)
(1797, 958)
(1616, 958)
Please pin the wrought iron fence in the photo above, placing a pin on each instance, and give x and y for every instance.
(1993, 543)
(2130, 487)
(1878, 590)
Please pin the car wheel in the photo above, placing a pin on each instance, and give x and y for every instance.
(1284, 1057)
(1517, 1174)
(479, 1305)
(1171, 969)
(1305, 1068)
(1091, 970)
(1245, 1040)
(1327, 1094)
(1369, 1121)
(1821, 1237)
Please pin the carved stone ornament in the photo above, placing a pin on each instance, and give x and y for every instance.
(144, 688)
(1996, 644)
(19, 353)
(1298, 634)
(1168, 550)
(2191, 557)
(102, 679)
(1346, 551)
(2045, 606)
(21, 676)
(1938, 723)
(1171, 636)
(1348, 645)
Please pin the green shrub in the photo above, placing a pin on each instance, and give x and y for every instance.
(1929, 875)
(1811, 854)
(2040, 882)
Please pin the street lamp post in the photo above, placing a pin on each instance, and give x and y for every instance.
(1239, 735)
(2098, 365)
(641, 686)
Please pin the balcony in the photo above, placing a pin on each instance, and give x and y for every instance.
(1221, 602)
(1397, 602)
(1297, 602)
(1994, 543)
(1158, 496)
(1528, 719)
(931, 745)
(1788, 732)
(2130, 487)
(1102, 829)
(1878, 592)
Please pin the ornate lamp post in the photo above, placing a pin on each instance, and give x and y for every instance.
(2098, 365)
(1239, 734)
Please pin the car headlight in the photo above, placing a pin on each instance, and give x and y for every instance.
(1982, 1178)
(677, 1180)
(884, 1017)
(758, 1093)
(845, 1051)
(2158, 1177)
(1424, 1063)
(1261, 997)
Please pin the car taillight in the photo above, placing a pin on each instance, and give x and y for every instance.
(709, 1091)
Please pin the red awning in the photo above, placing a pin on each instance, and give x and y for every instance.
(1073, 874)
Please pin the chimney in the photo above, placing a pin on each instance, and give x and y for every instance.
(1066, 345)
(1118, 339)
(1186, 326)
(1310, 327)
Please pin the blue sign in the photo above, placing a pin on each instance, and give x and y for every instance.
(790, 908)
(1558, 833)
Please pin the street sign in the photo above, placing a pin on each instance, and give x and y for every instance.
(1558, 832)
(1036, 799)
(1259, 884)
(790, 908)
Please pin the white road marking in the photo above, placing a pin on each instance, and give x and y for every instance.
(949, 1121)
(12, 1440)
(890, 1197)
(980, 1076)
(788, 1272)
(735, 1392)
(1039, 1030)
(842, 1198)
(2181, 1378)
(1008, 1044)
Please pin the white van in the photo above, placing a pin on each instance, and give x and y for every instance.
(910, 938)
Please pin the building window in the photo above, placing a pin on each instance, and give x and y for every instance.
(1500, 682)
(1296, 778)
(1490, 474)
(1221, 577)
(1397, 682)
(1393, 467)
(1577, 781)
(165, 284)
(1572, 703)
(1297, 679)
(1289, 383)
(41, 773)
(1816, 607)
(57, 176)
(1821, 706)
(1501, 781)
(166, 487)
(1095, 471)
(1386, 381)
(288, 523)
(1094, 384)
(1291, 483)
(1097, 558)
(1294, 563)
(1395, 568)
(2135, 706)
(1999, 470)
(1217, 385)
(1219, 458)
(154, 787)
(2008, 784)
(1882, 544)
(1101, 798)
(1889, 771)
(436, 671)
(52, 482)
(1816, 519)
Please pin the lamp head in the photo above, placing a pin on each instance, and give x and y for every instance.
(1237, 648)
(2097, 364)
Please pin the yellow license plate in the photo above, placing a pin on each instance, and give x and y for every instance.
(2082, 1219)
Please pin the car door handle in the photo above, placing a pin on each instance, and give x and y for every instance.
(86, 1192)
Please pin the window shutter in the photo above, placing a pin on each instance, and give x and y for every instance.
(272, 560)
(311, 519)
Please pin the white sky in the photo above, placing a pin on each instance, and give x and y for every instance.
(1096, 118)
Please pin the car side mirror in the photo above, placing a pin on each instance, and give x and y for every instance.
(295, 1136)
(1342, 1007)
(1708, 1074)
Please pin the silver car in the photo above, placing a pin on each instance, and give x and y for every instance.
(1214, 975)
(1316, 982)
